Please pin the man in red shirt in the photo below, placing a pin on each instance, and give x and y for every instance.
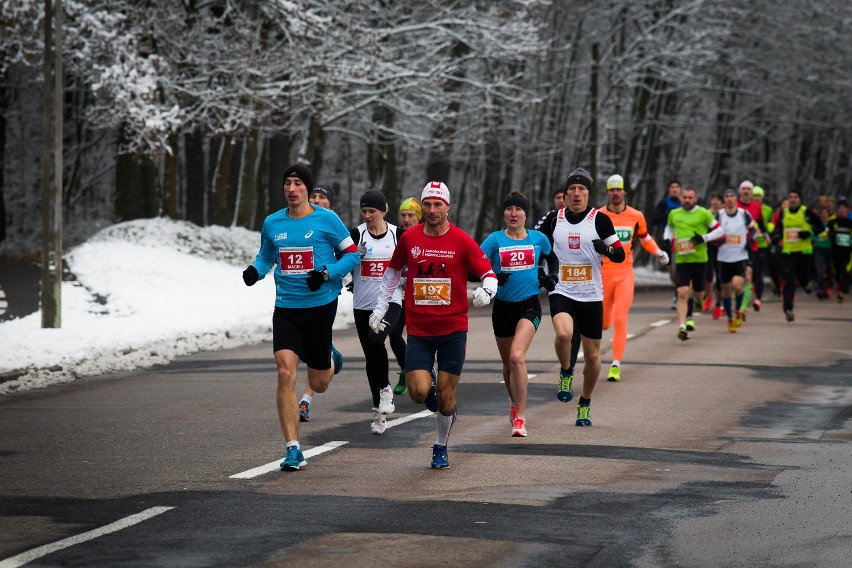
(438, 256)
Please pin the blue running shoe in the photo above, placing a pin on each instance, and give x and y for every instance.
(293, 460)
(439, 457)
(431, 401)
(565, 392)
(304, 411)
(337, 359)
(583, 411)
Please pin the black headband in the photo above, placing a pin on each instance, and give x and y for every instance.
(517, 201)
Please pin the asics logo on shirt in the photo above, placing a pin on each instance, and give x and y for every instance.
(280, 236)
(309, 233)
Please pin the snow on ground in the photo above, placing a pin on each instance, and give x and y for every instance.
(147, 292)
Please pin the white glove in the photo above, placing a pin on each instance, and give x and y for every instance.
(663, 257)
(481, 297)
(376, 323)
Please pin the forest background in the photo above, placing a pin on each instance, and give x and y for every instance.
(192, 109)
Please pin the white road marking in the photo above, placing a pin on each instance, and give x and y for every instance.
(275, 465)
(327, 447)
(659, 323)
(30, 555)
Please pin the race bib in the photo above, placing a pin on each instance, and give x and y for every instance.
(572, 273)
(374, 268)
(843, 239)
(513, 259)
(792, 235)
(624, 234)
(735, 240)
(296, 261)
(684, 246)
(431, 291)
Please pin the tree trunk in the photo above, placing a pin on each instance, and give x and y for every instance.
(222, 212)
(170, 179)
(195, 178)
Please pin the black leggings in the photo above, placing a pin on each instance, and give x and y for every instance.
(376, 355)
(795, 267)
(397, 343)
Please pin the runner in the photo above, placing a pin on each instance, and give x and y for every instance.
(580, 236)
(558, 203)
(438, 256)
(732, 257)
(661, 215)
(618, 278)
(755, 209)
(376, 240)
(299, 241)
(840, 231)
(794, 228)
(712, 288)
(321, 196)
(762, 260)
(409, 216)
(690, 227)
(515, 254)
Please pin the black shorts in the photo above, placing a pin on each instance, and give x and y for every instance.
(506, 315)
(691, 272)
(727, 270)
(306, 332)
(587, 316)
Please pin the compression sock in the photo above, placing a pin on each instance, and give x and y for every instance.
(746, 297)
(690, 305)
(445, 424)
(728, 312)
(741, 303)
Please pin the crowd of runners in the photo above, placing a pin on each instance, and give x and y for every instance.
(411, 279)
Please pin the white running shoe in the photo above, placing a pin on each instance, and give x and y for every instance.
(378, 425)
(386, 400)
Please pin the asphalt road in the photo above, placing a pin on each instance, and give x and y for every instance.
(725, 450)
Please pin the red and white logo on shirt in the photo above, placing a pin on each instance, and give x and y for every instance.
(574, 242)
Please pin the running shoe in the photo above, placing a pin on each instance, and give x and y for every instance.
(293, 460)
(707, 302)
(565, 392)
(513, 413)
(379, 423)
(519, 428)
(439, 457)
(732, 325)
(400, 388)
(790, 315)
(304, 411)
(690, 325)
(337, 359)
(583, 411)
(682, 335)
(756, 304)
(386, 401)
(717, 312)
(431, 401)
(614, 374)
(738, 318)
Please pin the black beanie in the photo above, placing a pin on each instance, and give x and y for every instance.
(375, 199)
(324, 190)
(580, 176)
(303, 173)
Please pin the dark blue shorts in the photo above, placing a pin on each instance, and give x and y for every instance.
(420, 352)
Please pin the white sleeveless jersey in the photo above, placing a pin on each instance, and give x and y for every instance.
(579, 262)
(736, 236)
(367, 276)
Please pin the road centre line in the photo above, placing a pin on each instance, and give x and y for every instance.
(327, 447)
(30, 555)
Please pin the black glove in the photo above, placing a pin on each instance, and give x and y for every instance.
(502, 278)
(804, 235)
(696, 239)
(776, 239)
(547, 281)
(315, 279)
(250, 276)
(602, 248)
(666, 245)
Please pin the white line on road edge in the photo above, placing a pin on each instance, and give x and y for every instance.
(274, 465)
(30, 555)
(659, 323)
